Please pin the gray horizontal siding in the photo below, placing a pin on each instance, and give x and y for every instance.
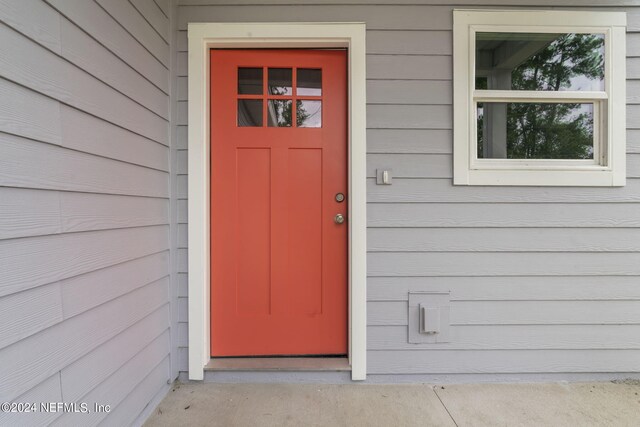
(503, 361)
(47, 391)
(387, 15)
(513, 337)
(490, 313)
(503, 264)
(139, 397)
(153, 13)
(38, 117)
(534, 3)
(439, 190)
(96, 22)
(503, 240)
(542, 280)
(60, 168)
(21, 62)
(509, 288)
(496, 215)
(85, 214)
(34, 261)
(139, 27)
(418, 165)
(180, 129)
(37, 212)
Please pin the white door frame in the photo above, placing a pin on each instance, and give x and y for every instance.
(203, 37)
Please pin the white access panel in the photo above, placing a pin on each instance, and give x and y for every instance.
(429, 317)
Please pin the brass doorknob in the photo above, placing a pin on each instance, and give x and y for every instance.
(339, 219)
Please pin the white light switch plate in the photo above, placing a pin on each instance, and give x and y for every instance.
(384, 176)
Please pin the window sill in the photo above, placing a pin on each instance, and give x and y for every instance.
(558, 178)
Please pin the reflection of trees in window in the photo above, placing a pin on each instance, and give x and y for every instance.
(280, 112)
(301, 114)
(549, 131)
(554, 67)
(552, 130)
(481, 83)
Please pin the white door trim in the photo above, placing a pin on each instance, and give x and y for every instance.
(204, 36)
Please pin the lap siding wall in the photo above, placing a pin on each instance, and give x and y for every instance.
(85, 213)
(543, 281)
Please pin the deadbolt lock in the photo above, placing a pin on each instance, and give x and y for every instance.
(339, 197)
(339, 219)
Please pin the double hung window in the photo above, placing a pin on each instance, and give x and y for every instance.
(539, 98)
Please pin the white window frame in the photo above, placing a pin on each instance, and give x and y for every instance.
(609, 165)
(202, 38)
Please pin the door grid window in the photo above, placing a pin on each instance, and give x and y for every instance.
(267, 96)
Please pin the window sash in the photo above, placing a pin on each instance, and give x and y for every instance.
(599, 161)
(569, 29)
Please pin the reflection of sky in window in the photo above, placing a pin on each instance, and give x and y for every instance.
(580, 109)
(582, 82)
(586, 84)
(314, 111)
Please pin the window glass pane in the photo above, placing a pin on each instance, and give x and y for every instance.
(279, 113)
(309, 82)
(249, 112)
(534, 131)
(280, 81)
(250, 81)
(309, 114)
(540, 61)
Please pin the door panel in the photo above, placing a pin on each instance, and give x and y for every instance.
(253, 166)
(305, 230)
(278, 159)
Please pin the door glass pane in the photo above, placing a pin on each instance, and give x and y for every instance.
(309, 82)
(534, 131)
(540, 61)
(279, 113)
(249, 112)
(309, 114)
(250, 81)
(280, 81)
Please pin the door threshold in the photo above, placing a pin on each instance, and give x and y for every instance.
(332, 364)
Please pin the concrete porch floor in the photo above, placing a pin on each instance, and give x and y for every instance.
(550, 404)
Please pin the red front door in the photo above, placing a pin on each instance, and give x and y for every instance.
(278, 180)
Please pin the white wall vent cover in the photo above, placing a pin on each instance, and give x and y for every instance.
(429, 317)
